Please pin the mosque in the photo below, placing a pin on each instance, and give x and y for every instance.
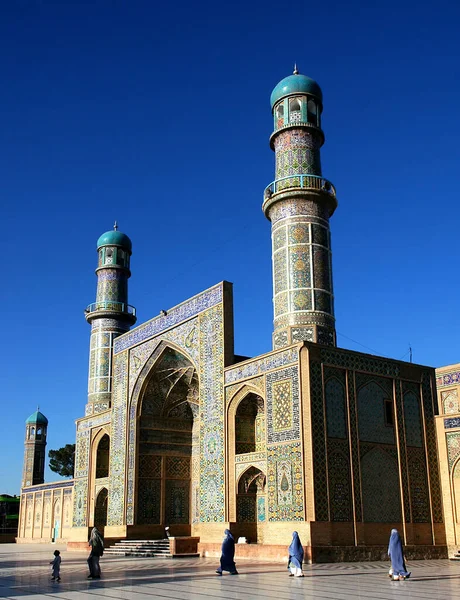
(178, 431)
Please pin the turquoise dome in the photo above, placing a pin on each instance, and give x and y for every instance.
(38, 418)
(295, 84)
(114, 238)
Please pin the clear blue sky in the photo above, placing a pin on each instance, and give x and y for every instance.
(157, 115)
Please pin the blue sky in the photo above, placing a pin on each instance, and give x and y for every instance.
(158, 115)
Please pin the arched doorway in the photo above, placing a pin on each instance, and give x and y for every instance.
(168, 446)
(100, 510)
(250, 504)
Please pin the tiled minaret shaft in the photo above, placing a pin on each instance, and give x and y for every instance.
(110, 315)
(299, 203)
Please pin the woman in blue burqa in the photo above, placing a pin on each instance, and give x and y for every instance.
(227, 562)
(295, 559)
(395, 551)
(96, 541)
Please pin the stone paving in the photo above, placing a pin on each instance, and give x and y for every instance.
(25, 573)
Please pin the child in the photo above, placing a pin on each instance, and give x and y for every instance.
(56, 574)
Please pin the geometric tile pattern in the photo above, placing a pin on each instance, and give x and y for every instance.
(428, 398)
(335, 403)
(285, 482)
(318, 439)
(381, 503)
(412, 418)
(282, 394)
(418, 486)
(339, 480)
(371, 415)
(402, 449)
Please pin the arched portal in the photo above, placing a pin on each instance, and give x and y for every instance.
(168, 445)
(250, 503)
(100, 511)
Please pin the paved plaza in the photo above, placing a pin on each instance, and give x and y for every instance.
(25, 573)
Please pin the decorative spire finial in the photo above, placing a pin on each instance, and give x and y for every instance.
(296, 72)
(115, 226)
(38, 407)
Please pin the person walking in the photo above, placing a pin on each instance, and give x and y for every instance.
(295, 559)
(96, 541)
(56, 566)
(398, 569)
(227, 562)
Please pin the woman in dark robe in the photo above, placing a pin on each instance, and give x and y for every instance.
(96, 541)
(395, 551)
(295, 559)
(227, 562)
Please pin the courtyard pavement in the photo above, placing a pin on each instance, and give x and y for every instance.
(25, 573)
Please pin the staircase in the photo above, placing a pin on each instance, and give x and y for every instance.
(144, 548)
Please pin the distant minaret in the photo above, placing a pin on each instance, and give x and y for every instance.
(299, 203)
(110, 315)
(34, 449)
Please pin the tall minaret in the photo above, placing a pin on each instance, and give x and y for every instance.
(299, 203)
(110, 315)
(34, 449)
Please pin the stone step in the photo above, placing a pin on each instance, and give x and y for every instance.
(147, 554)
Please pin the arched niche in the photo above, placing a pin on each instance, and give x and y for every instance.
(103, 456)
(250, 503)
(100, 509)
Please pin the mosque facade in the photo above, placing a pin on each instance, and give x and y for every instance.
(178, 431)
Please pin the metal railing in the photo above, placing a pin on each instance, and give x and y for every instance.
(111, 306)
(312, 182)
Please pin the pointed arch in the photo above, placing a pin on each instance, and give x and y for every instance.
(100, 510)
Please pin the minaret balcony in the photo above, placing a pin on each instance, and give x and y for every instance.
(110, 307)
(296, 184)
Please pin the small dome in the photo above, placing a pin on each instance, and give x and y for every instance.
(38, 418)
(295, 84)
(114, 238)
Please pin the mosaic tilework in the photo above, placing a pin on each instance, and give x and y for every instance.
(80, 517)
(175, 315)
(231, 391)
(418, 486)
(285, 483)
(381, 503)
(299, 206)
(428, 394)
(246, 508)
(452, 423)
(356, 476)
(371, 415)
(262, 365)
(448, 379)
(297, 151)
(449, 402)
(319, 442)
(282, 394)
(359, 362)
(116, 501)
(412, 418)
(402, 451)
(335, 403)
(339, 481)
